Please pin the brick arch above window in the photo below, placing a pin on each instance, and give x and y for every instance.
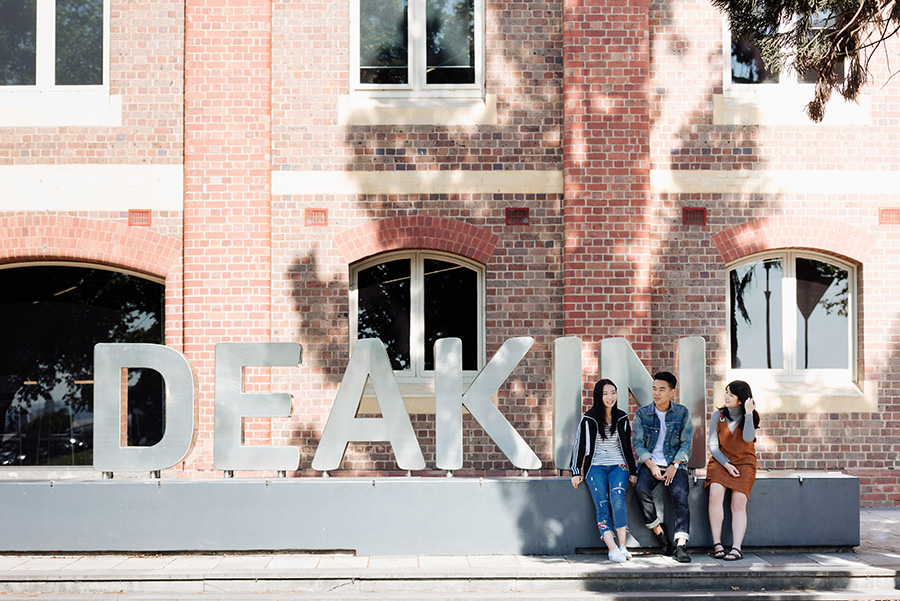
(63, 238)
(418, 232)
(817, 233)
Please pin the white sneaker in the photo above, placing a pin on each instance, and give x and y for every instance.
(625, 552)
(616, 556)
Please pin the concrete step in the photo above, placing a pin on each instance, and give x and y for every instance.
(579, 581)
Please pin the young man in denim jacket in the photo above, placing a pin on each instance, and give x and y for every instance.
(662, 444)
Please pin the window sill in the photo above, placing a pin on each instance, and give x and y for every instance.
(353, 110)
(418, 396)
(59, 108)
(805, 397)
(783, 105)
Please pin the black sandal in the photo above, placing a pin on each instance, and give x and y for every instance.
(719, 553)
(734, 555)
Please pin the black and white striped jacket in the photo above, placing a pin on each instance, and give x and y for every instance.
(586, 436)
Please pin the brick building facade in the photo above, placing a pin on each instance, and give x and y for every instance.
(275, 171)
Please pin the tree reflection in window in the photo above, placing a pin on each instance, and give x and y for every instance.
(822, 324)
(450, 41)
(51, 317)
(409, 303)
(804, 325)
(384, 297)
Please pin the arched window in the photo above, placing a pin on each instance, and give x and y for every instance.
(793, 313)
(409, 300)
(51, 317)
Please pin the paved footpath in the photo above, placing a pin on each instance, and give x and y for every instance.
(871, 571)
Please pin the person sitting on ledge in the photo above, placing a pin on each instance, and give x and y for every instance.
(602, 455)
(731, 465)
(662, 442)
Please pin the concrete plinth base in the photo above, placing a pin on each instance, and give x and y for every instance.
(388, 516)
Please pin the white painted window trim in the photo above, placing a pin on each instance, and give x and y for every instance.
(788, 375)
(781, 103)
(418, 375)
(47, 104)
(417, 87)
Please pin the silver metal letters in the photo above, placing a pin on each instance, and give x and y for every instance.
(232, 405)
(477, 399)
(567, 392)
(369, 362)
(109, 453)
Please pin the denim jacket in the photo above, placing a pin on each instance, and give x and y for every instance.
(679, 432)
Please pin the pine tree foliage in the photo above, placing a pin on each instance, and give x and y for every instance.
(833, 39)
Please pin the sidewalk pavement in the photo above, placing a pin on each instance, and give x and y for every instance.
(877, 557)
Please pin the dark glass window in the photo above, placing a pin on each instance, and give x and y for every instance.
(79, 42)
(18, 32)
(384, 42)
(450, 41)
(409, 303)
(384, 301)
(78, 28)
(451, 309)
(51, 317)
(747, 65)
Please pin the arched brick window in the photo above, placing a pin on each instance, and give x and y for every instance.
(410, 299)
(792, 316)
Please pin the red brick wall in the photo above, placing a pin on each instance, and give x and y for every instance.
(227, 218)
(607, 193)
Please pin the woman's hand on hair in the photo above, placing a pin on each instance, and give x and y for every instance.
(750, 405)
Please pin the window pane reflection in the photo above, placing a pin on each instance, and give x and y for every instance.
(451, 309)
(18, 30)
(822, 316)
(384, 308)
(747, 65)
(450, 40)
(51, 317)
(756, 324)
(79, 42)
(383, 44)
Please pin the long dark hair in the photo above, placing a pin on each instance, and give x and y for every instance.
(742, 391)
(598, 409)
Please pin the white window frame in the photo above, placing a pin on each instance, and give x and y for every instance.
(417, 88)
(786, 79)
(417, 374)
(787, 373)
(48, 104)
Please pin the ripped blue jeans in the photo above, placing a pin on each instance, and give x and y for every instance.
(607, 485)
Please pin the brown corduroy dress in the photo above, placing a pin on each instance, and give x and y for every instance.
(740, 453)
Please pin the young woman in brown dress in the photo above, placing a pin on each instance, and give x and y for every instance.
(732, 465)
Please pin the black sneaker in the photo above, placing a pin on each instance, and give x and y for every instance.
(681, 555)
(665, 545)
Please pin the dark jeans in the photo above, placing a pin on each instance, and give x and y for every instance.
(678, 490)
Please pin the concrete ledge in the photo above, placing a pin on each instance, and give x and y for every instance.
(389, 516)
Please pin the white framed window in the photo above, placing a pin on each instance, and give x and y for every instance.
(409, 300)
(744, 67)
(417, 48)
(54, 63)
(754, 95)
(792, 317)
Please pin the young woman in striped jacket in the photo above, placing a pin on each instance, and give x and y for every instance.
(603, 457)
